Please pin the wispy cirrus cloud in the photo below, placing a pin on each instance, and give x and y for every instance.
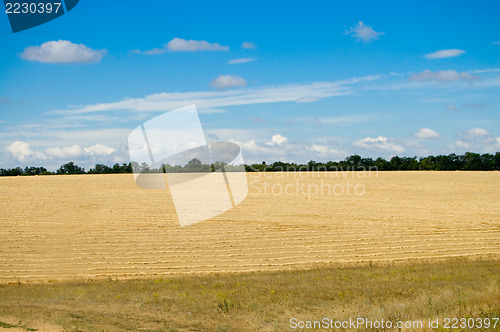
(240, 60)
(215, 99)
(256, 120)
(450, 53)
(363, 32)
(62, 51)
(444, 76)
(476, 106)
(321, 122)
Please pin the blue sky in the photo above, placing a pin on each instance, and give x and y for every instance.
(290, 80)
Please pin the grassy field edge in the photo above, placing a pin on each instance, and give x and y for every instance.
(265, 301)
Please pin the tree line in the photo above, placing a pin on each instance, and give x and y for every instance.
(452, 162)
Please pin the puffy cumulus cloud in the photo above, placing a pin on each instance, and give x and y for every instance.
(228, 81)
(280, 148)
(379, 143)
(65, 152)
(444, 76)
(476, 140)
(248, 45)
(22, 151)
(183, 45)
(76, 151)
(426, 133)
(363, 32)
(445, 54)
(240, 60)
(461, 144)
(62, 51)
(474, 133)
(99, 150)
(278, 140)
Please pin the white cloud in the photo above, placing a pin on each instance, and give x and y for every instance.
(477, 140)
(255, 151)
(363, 32)
(65, 152)
(183, 45)
(228, 81)
(451, 107)
(153, 51)
(379, 143)
(475, 132)
(325, 151)
(20, 150)
(99, 150)
(62, 51)
(462, 144)
(23, 152)
(278, 140)
(347, 119)
(445, 54)
(426, 133)
(483, 71)
(248, 45)
(211, 111)
(215, 99)
(496, 43)
(76, 151)
(444, 76)
(240, 60)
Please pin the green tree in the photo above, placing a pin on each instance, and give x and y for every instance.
(70, 168)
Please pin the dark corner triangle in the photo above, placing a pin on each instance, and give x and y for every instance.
(70, 4)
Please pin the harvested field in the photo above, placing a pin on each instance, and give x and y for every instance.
(96, 226)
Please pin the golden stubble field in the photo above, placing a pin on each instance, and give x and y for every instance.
(62, 227)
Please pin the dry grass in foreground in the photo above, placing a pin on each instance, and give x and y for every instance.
(264, 301)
